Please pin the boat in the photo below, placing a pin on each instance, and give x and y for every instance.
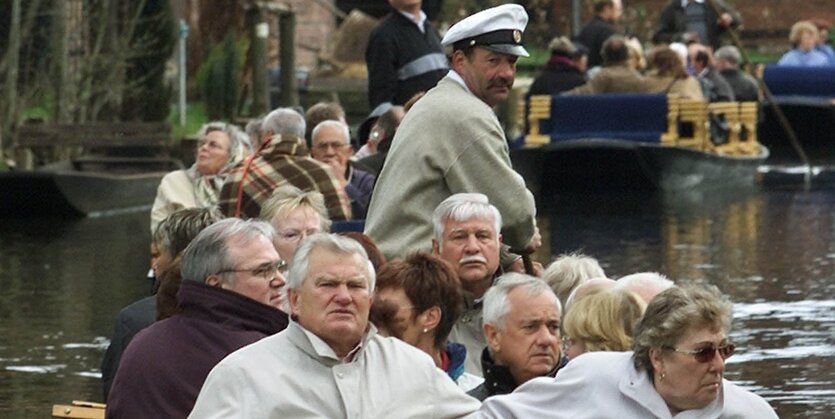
(806, 96)
(636, 142)
(78, 188)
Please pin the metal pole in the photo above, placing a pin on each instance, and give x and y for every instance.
(260, 31)
(575, 17)
(181, 70)
(287, 42)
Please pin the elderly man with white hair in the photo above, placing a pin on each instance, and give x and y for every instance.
(330, 362)
(282, 159)
(522, 328)
(331, 144)
(466, 228)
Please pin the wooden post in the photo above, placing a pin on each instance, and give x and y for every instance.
(259, 32)
(287, 41)
(12, 61)
(60, 59)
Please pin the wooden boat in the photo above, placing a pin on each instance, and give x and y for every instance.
(75, 189)
(806, 96)
(636, 142)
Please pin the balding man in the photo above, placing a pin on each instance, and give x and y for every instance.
(330, 362)
(282, 159)
(645, 284)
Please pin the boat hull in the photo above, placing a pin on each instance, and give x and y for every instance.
(604, 164)
(74, 193)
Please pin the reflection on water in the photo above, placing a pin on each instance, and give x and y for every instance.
(772, 251)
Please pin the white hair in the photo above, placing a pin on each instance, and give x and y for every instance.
(333, 243)
(341, 126)
(462, 207)
(645, 284)
(570, 270)
(284, 121)
(496, 304)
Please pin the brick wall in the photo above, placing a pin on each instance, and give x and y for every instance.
(315, 24)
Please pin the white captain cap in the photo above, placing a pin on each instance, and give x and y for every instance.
(497, 28)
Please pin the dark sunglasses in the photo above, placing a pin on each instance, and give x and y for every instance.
(704, 355)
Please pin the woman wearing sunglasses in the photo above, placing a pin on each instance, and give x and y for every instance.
(675, 370)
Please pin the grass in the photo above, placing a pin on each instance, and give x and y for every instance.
(195, 118)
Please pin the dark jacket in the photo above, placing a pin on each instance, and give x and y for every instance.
(593, 35)
(498, 379)
(359, 188)
(560, 75)
(720, 90)
(745, 87)
(402, 61)
(672, 24)
(131, 319)
(165, 365)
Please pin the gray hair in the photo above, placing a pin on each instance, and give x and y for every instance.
(333, 243)
(462, 207)
(208, 254)
(238, 140)
(645, 284)
(288, 197)
(284, 121)
(343, 128)
(178, 229)
(730, 54)
(496, 304)
(672, 314)
(568, 271)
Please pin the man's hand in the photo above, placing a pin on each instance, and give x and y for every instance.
(340, 171)
(535, 243)
(725, 20)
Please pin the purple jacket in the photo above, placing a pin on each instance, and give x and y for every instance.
(163, 368)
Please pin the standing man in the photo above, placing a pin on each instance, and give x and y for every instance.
(451, 141)
(404, 56)
(695, 21)
(607, 13)
(330, 362)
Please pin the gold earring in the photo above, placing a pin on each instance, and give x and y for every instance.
(663, 376)
(425, 330)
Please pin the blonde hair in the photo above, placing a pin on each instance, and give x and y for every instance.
(603, 320)
(288, 198)
(800, 27)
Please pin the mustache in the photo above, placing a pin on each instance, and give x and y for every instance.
(501, 82)
(472, 258)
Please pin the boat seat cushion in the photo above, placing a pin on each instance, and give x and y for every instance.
(790, 81)
(634, 117)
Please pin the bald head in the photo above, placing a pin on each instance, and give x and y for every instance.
(586, 288)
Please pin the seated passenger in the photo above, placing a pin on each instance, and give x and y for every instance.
(714, 86)
(229, 298)
(428, 300)
(329, 362)
(745, 87)
(561, 73)
(667, 74)
(602, 321)
(616, 75)
(294, 215)
(331, 144)
(822, 44)
(522, 328)
(804, 38)
(645, 284)
(570, 270)
(677, 367)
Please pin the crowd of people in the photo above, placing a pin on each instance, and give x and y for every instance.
(432, 309)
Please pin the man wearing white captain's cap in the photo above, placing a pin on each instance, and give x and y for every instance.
(451, 141)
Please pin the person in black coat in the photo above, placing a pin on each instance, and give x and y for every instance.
(745, 87)
(600, 28)
(562, 71)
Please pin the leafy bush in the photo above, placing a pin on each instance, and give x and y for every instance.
(218, 79)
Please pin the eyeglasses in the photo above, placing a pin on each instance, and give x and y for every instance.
(704, 355)
(296, 235)
(267, 271)
(334, 145)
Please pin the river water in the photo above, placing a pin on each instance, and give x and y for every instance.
(771, 249)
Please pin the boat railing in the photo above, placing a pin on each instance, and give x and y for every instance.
(726, 128)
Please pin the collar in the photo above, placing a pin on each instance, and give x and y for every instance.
(420, 21)
(323, 350)
(454, 76)
(684, 2)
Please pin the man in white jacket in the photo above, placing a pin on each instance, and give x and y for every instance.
(330, 362)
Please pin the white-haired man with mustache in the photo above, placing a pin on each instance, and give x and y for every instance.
(451, 141)
(467, 236)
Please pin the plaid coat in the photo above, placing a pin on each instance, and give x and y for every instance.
(281, 160)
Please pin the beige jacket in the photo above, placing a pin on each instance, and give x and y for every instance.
(294, 374)
(175, 192)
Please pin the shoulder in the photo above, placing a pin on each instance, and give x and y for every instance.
(743, 403)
